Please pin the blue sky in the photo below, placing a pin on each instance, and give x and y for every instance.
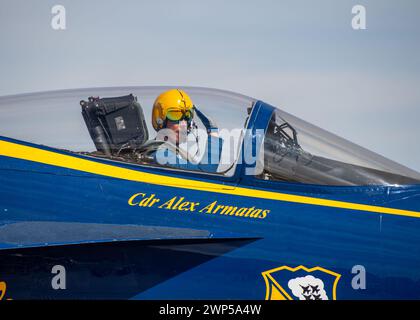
(300, 55)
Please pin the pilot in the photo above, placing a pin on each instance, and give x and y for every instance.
(173, 119)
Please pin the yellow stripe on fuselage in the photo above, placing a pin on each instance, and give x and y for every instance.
(14, 150)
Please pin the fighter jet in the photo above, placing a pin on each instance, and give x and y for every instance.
(88, 209)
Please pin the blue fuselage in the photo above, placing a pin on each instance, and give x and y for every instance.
(196, 237)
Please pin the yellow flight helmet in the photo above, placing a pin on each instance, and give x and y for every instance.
(174, 104)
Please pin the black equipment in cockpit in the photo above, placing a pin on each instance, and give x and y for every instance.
(115, 123)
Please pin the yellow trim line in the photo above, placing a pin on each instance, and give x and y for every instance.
(14, 150)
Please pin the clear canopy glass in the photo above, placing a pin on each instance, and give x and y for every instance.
(297, 151)
(292, 150)
(54, 119)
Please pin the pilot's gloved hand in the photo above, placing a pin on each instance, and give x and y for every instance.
(210, 125)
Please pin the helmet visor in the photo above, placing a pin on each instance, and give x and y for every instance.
(178, 115)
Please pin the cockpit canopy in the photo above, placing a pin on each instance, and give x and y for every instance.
(297, 151)
(291, 150)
